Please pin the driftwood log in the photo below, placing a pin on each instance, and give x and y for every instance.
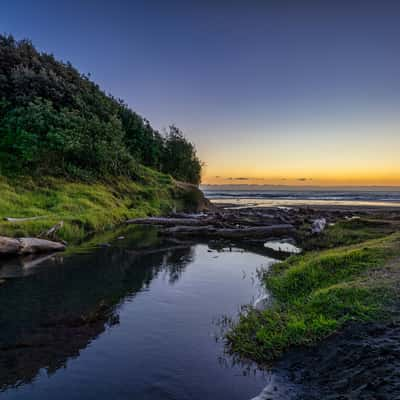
(10, 219)
(170, 221)
(210, 231)
(20, 246)
(249, 224)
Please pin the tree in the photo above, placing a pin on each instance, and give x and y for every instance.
(180, 158)
(54, 120)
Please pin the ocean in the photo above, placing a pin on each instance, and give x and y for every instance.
(287, 197)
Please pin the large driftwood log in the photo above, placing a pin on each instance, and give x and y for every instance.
(231, 233)
(11, 246)
(33, 245)
(170, 221)
(187, 215)
(221, 221)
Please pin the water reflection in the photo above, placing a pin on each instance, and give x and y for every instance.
(17, 267)
(159, 298)
(48, 317)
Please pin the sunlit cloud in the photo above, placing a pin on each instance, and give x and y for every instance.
(304, 179)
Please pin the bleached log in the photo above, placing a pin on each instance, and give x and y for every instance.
(34, 245)
(10, 219)
(11, 246)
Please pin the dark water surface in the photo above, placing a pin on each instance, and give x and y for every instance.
(132, 321)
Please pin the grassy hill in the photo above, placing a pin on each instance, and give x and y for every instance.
(85, 208)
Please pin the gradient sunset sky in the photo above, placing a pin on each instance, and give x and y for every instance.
(271, 92)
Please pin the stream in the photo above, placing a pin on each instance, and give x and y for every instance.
(136, 319)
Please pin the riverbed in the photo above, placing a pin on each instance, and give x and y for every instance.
(134, 318)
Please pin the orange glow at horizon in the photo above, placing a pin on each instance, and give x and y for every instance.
(367, 173)
(360, 153)
(351, 180)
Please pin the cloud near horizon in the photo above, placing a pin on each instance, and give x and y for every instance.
(239, 178)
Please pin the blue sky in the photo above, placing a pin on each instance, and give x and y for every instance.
(268, 90)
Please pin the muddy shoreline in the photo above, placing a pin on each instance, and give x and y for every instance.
(360, 362)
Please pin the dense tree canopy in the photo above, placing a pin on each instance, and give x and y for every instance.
(54, 120)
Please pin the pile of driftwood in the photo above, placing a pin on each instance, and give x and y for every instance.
(236, 224)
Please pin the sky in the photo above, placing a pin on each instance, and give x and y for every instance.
(271, 92)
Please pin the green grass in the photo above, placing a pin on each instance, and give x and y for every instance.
(84, 208)
(315, 294)
(346, 232)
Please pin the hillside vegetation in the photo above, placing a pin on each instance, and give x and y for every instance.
(69, 152)
(56, 121)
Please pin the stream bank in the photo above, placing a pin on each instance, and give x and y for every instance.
(332, 331)
(31, 207)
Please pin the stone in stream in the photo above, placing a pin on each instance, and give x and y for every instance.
(318, 225)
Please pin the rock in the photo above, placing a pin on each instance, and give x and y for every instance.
(318, 225)
(193, 198)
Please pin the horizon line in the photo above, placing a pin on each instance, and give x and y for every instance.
(225, 185)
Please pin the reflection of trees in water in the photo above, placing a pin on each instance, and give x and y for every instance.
(176, 261)
(48, 317)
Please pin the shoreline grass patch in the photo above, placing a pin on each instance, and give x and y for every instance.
(314, 295)
(347, 232)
